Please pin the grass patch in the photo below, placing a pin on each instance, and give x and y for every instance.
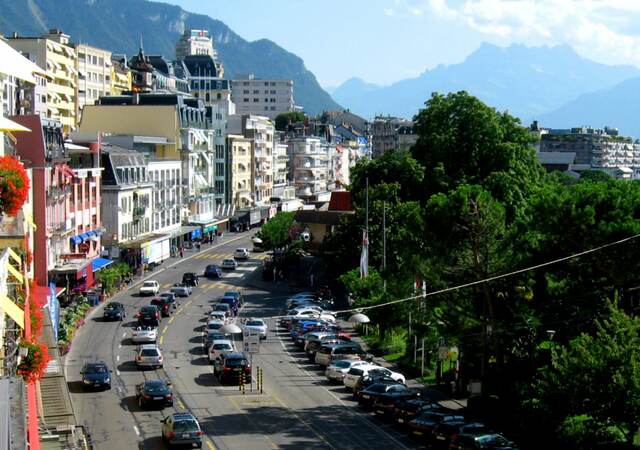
(391, 357)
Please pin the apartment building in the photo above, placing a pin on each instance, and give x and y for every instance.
(260, 97)
(198, 43)
(240, 162)
(391, 133)
(280, 167)
(309, 166)
(53, 53)
(166, 176)
(94, 75)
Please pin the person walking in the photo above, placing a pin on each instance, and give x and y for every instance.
(181, 252)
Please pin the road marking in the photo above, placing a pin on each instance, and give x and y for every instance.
(297, 416)
(117, 358)
(161, 339)
(135, 428)
(117, 372)
(164, 330)
(181, 404)
(119, 346)
(124, 335)
(171, 320)
(210, 445)
(187, 303)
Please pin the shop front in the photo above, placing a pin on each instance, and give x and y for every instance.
(211, 229)
(74, 274)
(147, 251)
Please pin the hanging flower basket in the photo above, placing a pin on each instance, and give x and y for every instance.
(14, 185)
(32, 366)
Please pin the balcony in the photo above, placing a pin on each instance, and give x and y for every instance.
(139, 212)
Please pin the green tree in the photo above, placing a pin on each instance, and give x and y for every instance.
(275, 233)
(463, 141)
(284, 119)
(594, 176)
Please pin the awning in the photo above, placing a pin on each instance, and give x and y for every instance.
(99, 263)
(195, 234)
(187, 229)
(75, 240)
(12, 63)
(84, 236)
(10, 125)
(210, 228)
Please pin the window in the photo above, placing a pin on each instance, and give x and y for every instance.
(207, 97)
(273, 100)
(246, 100)
(266, 91)
(273, 91)
(101, 61)
(256, 100)
(273, 108)
(219, 169)
(218, 95)
(256, 91)
(266, 108)
(246, 91)
(266, 83)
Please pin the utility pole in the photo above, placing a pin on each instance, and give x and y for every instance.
(384, 241)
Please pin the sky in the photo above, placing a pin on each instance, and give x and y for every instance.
(383, 41)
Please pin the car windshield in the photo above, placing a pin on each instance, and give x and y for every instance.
(155, 387)
(222, 347)
(231, 294)
(185, 425)
(113, 306)
(356, 372)
(255, 323)
(214, 325)
(342, 364)
(222, 307)
(236, 362)
(95, 369)
(214, 336)
(149, 352)
(491, 441)
(149, 284)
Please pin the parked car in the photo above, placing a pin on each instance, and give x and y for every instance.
(422, 426)
(154, 392)
(144, 334)
(405, 410)
(96, 375)
(487, 441)
(257, 326)
(229, 264)
(212, 271)
(369, 380)
(182, 429)
(149, 287)
(369, 396)
(327, 353)
(241, 253)
(213, 325)
(313, 346)
(114, 311)
(217, 315)
(149, 355)
(235, 294)
(229, 367)
(163, 306)
(181, 290)
(351, 378)
(385, 403)
(224, 307)
(337, 369)
(211, 336)
(442, 434)
(218, 347)
(231, 301)
(190, 279)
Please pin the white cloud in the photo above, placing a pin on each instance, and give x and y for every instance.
(607, 30)
(389, 12)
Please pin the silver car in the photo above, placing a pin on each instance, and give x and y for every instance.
(257, 326)
(144, 334)
(149, 355)
(181, 290)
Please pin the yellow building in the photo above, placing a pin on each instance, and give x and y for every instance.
(53, 53)
(240, 173)
(120, 77)
(94, 75)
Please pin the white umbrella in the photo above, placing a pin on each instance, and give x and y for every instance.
(359, 318)
(231, 328)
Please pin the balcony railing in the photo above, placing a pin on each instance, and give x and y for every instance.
(139, 211)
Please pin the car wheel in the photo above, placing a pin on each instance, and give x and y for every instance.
(170, 404)
(140, 402)
(108, 387)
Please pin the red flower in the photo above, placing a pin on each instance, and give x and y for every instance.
(14, 185)
(32, 366)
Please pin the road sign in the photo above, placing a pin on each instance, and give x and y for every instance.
(249, 335)
(251, 346)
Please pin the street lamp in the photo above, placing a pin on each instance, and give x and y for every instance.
(551, 334)
(359, 318)
(231, 328)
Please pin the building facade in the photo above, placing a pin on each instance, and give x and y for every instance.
(121, 80)
(53, 53)
(280, 168)
(94, 75)
(309, 166)
(166, 176)
(262, 97)
(391, 133)
(198, 43)
(240, 162)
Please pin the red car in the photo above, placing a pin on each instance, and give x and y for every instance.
(163, 305)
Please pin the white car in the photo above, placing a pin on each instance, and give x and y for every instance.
(354, 373)
(313, 314)
(149, 356)
(229, 264)
(337, 369)
(181, 290)
(219, 347)
(213, 325)
(144, 335)
(241, 253)
(218, 315)
(257, 326)
(301, 308)
(150, 287)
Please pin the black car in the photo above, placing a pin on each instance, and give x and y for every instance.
(385, 404)
(235, 294)
(96, 375)
(405, 410)
(488, 441)
(213, 271)
(163, 305)
(190, 278)
(370, 395)
(149, 316)
(423, 425)
(368, 380)
(154, 392)
(230, 366)
(114, 311)
(442, 434)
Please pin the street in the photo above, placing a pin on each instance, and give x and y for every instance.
(298, 409)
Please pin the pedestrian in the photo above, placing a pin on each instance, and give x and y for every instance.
(198, 246)
(275, 275)
(181, 252)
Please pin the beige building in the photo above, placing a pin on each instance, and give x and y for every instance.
(94, 75)
(53, 53)
(120, 77)
(240, 173)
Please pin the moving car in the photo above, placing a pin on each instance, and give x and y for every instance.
(114, 311)
(182, 429)
(212, 271)
(96, 375)
(144, 334)
(229, 367)
(229, 264)
(149, 287)
(148, 312)
(235, 294)
(486, 441)
(149, 356)
(218, 347)
(241, 253)
(170, 298)
(257, 326)
(258, 245)
(154, 392)
(181, 290)
(190, 279)
(163, 305)
(337, 369)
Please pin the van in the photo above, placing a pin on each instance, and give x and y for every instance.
(328, 352)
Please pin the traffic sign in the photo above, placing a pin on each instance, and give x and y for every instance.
(251, 346)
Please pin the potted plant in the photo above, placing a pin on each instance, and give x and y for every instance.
(34, 363)
(14, 185)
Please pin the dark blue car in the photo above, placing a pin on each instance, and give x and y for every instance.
(96, 375)
(213, 271)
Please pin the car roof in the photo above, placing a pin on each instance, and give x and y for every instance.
(221, 341)
(215, 321)
(96, 364)
(149, 306)
(148, 346)
(183, 416)
(155, 382)
(232, 293)
(235, 355)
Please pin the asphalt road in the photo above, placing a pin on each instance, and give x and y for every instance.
(298, 408)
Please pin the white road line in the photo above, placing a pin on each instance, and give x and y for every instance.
(117, 358)
(135, 428)
(118, 372)
(119, 346)
(124, 335)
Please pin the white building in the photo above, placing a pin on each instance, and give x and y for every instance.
(309, 166)
(94, 75)
(262, 97)
(280, 168)
(166, 176)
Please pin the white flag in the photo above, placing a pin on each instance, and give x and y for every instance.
(364, 257)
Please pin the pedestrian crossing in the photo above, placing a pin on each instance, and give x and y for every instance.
(221, 256)
(206, 285)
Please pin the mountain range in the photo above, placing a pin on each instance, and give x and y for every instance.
(120, 26)
(552, 84)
